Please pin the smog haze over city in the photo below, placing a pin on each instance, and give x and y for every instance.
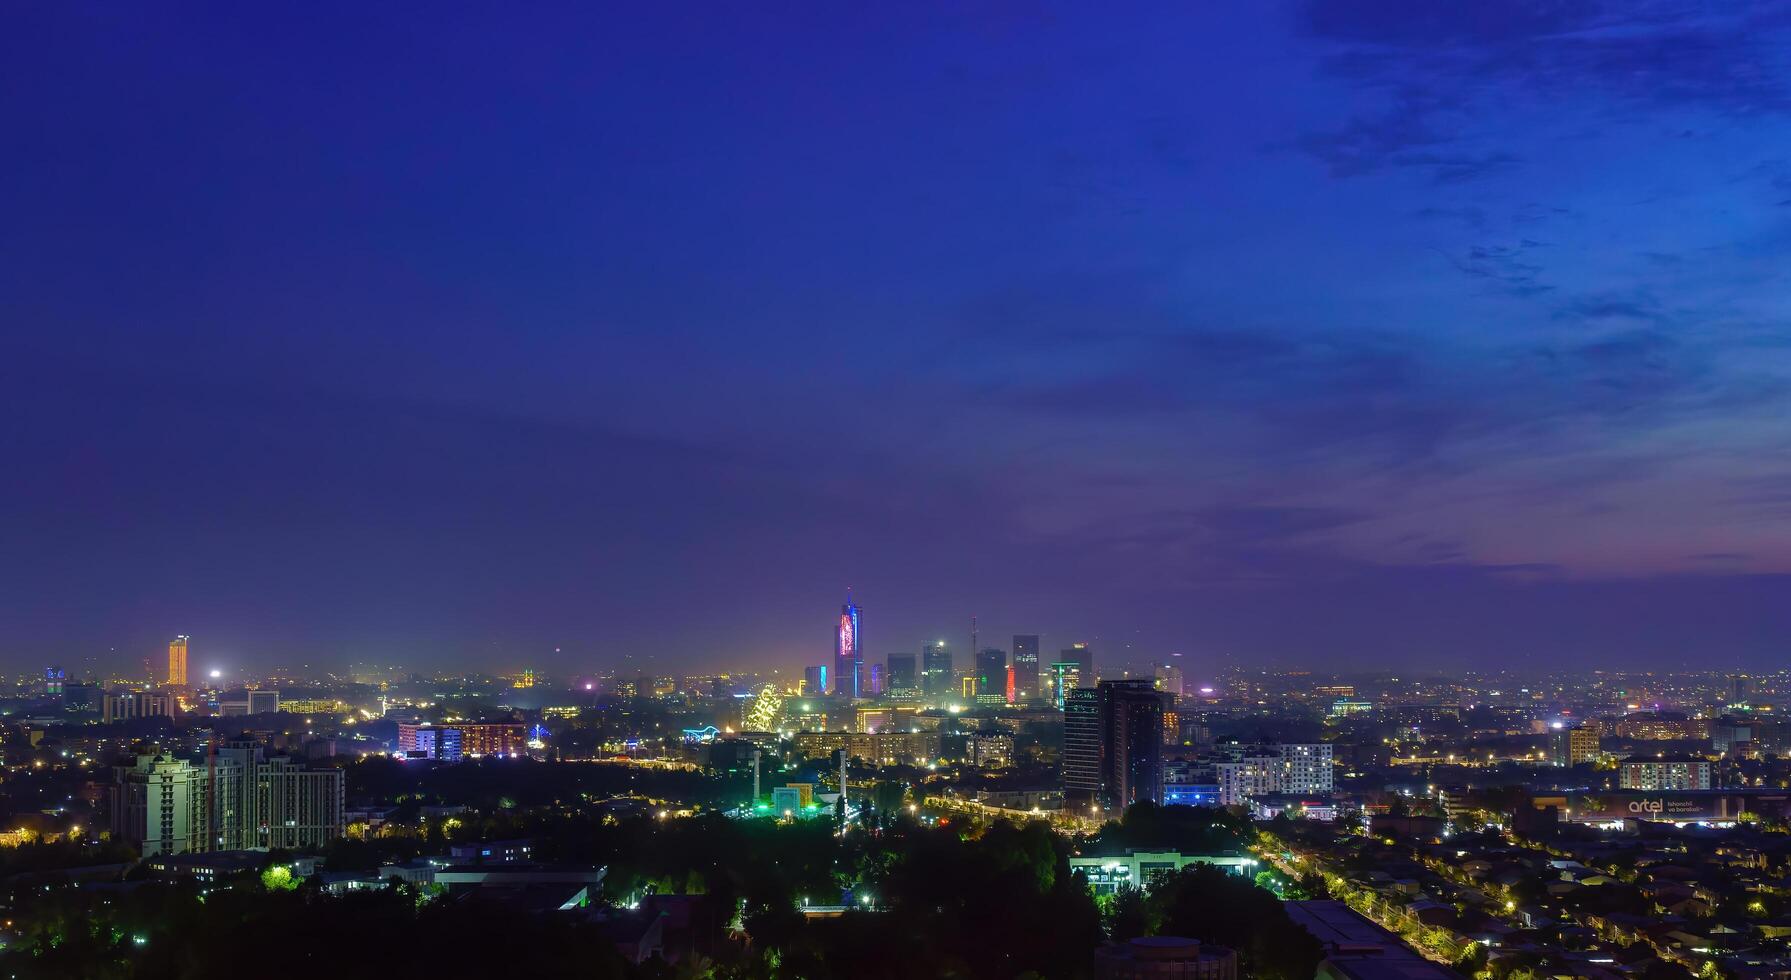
(1352, 333)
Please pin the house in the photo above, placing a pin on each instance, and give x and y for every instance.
(638, 937)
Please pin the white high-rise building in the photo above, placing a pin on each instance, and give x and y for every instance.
(1306, 768)
(1303, 768)
(241, 800)
(158, 806)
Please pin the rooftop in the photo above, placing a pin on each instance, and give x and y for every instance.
(1358, 949)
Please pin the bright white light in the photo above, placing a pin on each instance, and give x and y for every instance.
(216, 673)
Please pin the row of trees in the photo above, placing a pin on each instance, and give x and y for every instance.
(968, 900)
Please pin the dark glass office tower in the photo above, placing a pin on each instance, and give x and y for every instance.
(1081, 746)
(935, 665)
(991, 675)
(1113, 744)
(1026, 666)
(900, 675)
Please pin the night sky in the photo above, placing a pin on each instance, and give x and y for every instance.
(1345, 334)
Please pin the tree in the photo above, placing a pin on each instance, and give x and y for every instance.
(1207, 903)
(1127, 914)
(1313, 885)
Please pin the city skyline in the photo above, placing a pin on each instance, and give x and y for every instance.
(1287, 333)
(1268, 490)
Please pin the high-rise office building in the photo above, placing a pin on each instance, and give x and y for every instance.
(1065, 677)
(1026, 666)
(1119, 727)
(177, 662)
(1082, 745)
(1577, 746)
(1740, 687)
(900, 678)
(814, 680)
(936, 672)
(848, 653)
(874, 684)
(1083, 657)
(1133, 711)
(1169, 678)
(991, 676)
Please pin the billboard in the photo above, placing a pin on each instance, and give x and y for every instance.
(1683, 806)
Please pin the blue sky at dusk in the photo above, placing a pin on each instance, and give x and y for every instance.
(1349, 334)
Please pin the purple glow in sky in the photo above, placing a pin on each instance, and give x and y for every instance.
(1355, 332)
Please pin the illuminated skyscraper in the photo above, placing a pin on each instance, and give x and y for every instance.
(1065, 677)
(814, 680)
(848, 653)
(900, 678)
(1169, 678)
(935, 669)
(1083, 657)
(1082, 745)
(991, 676)
(177, 662)
(1026, 666)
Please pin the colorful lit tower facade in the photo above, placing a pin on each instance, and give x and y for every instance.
(177, 662)
(848, 653)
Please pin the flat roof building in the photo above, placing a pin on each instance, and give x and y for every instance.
(1357, 949)
(1107, 873)
(1668, 773)
(1165, 958)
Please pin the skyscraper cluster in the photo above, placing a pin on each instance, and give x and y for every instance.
(995, 675)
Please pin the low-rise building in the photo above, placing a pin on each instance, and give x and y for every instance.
(451, 742)
(126, 705)
(882, 748)
(1165, 958)
(1268, 806)
(1108, 873)
(1357, 949)
(991, 751)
